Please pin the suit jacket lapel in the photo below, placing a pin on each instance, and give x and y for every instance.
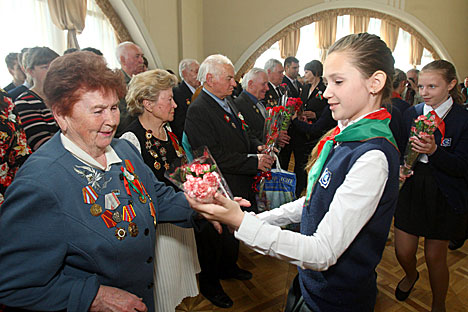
(235, 112)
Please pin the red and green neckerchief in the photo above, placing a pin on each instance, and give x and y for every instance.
(374, 125)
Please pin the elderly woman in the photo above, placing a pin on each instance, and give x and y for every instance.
(37, 119)
(150, 98)
(78, 222)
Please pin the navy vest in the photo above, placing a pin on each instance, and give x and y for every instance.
(350, 284)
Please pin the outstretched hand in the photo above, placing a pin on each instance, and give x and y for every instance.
(222, 210)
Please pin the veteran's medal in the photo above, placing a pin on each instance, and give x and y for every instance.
(95, 210)
(117, 217)
(157, 165)
(142, 199)
(120, 233)
(133, 229)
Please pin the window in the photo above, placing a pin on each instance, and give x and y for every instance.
(28, 24)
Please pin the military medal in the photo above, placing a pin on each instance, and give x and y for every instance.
(128, 213)
(107, 218)
(111, 201)
(157, 165)
(120, 233)
(117, 217)
(95, 210)
(89, 195)
(142, 199)
(133, 229)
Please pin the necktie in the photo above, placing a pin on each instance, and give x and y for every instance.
(440, 124)
(278, 90)
(262, 109)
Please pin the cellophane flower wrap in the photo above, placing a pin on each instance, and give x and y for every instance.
(201, 178)
(423, 125)
(291, 106)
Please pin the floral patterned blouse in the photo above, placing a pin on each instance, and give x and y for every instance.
(14, 149)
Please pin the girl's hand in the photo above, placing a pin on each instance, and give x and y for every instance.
(403, 175)
(424, 145)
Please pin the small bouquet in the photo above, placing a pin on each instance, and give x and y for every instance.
(292, 106)
(201, 178)
(272, 127)
(423, 125)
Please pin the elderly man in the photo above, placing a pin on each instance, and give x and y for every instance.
(275, 72)
(212, 120)
(255, 85)
(130, 57)
(188, 71)
(291, 69)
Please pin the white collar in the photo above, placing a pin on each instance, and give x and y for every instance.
(441, 110)
(81, 155)
(190, 87)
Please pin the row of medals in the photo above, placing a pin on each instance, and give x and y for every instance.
(120, 232)
(162, 151)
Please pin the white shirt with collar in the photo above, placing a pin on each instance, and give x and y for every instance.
(354, 201)
(192, 89)
(81, 155)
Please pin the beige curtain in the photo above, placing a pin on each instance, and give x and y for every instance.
(358, 24)
(325, 34)
(288, 45)
(416, 51)
(389, 34)
(69, 15)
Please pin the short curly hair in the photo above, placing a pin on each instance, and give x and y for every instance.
(72, 75)
(147, 86)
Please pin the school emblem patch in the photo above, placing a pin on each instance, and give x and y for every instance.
(325, 178)
(446, 142)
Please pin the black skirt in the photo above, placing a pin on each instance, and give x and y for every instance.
(422, 209)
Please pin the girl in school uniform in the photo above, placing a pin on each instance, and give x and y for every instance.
(433, 200)
(351, 194)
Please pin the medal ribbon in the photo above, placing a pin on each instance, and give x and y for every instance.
(374, 125)
(89, 195)
(151, 205)
(107, 217)
(175, 143)
(128, 213)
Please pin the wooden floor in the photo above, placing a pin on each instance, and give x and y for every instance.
(267, 290)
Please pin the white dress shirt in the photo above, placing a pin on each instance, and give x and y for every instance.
(353, 204)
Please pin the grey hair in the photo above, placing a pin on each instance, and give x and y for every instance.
(209, 66)
(251, 75)
(271, 64)
(185, 63)
(121, 48)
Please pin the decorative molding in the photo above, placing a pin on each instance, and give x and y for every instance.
(120, 30)
(380, 10)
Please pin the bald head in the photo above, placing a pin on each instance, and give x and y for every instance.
(130, 57)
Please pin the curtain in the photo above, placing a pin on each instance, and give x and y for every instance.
(389, 33)
(358, 24)
(288, 45)
(69, 15)
(415, 51)
(325, 34)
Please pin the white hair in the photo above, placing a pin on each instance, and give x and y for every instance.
(271, 64)
(251, 75)
(122, 49)
(185, 63)
(211, 66)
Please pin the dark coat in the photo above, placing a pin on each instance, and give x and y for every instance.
(182, 97)
(293, 92)
(271, 96)
(252, 115)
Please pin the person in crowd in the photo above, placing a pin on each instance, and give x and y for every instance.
(399, 85)
(188, 71)
(14, 149)
(433, 200)
(78, 222)
(411, 94)
(94, 50)
(213, 121)
(275, 72)
(130, 57)
(70, 50)
(351, 194)
(464, 90)
(255, 85)
(291, 71)
(38, 122)
(13, 93)
(150, 98)
(145, 63)
(15, 71)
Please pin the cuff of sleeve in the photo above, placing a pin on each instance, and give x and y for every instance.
(83, 293)
(248, 229)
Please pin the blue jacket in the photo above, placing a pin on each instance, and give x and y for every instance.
(450, 161)
(54, 254)
(350, 284)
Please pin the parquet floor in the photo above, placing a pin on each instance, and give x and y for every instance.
(268, 288)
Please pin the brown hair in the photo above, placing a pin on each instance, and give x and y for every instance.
(73, 74)
(448, 72)
(147, 86)
(369, 54)
(39, 56)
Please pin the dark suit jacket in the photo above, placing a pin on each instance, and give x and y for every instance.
(293, 92)
(252, 115)
(13, 94)
(205, 124)
(271, 96)
(182, 97)
(449, 162)
(312, 102)
(402, 105)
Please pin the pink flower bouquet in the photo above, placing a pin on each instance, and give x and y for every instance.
(200, 179)
(423, 125)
